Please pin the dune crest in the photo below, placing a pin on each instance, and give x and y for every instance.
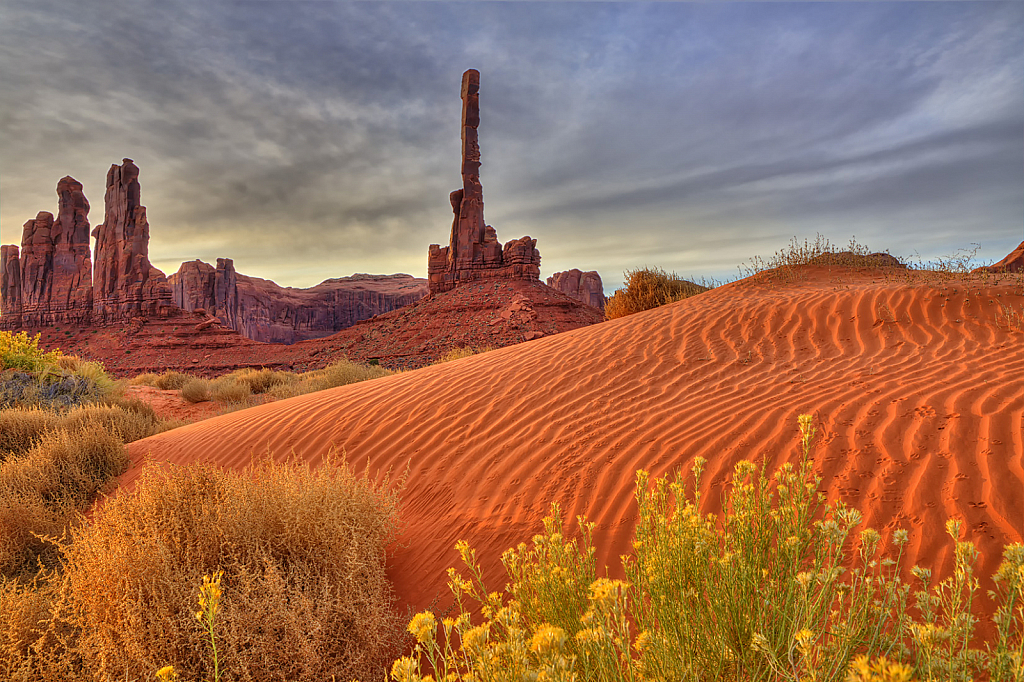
(915, 387)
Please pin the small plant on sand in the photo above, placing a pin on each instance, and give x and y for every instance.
(770, 590)
(462, 352)
(648, 288)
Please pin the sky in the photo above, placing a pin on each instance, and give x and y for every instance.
(309, 139)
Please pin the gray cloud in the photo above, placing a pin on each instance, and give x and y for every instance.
(309, 140)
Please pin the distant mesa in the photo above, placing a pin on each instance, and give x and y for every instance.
(583, 286)
(1014, 262)
(474, 252)
(263, 311)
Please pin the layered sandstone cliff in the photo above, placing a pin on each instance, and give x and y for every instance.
(474, 252)
(583, 286)
(125, 284)
(263, 311)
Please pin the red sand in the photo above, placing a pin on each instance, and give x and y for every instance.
(915, 385)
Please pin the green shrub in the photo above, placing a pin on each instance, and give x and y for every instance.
(648, 288)
(21, 352)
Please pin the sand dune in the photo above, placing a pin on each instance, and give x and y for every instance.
(916, 387)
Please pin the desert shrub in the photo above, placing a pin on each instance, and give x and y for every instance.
(302, 554)
(336, 374)
(21, 352)
(21, 428)
(147, 379)
(261, 380)
(171, 381)
(776, 588)
(230, 390)
(124, 423)
(463, 352)
(42, 491)
(648, 288)
(196, 390)
(819, 252)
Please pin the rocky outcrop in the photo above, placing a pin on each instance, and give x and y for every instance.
(10, 287)
(125, 284)
(1014, 262)
(583, 286)
(474, 252)
(49, 280)
(263, 311)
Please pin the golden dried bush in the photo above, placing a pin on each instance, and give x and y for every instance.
(171, 381)
(230, 390)
(302, 552)
(196, 390)
(648, 288)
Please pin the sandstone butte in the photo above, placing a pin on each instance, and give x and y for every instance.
(913, 379)
(1014, 262)
(583, 286)
(263, 311)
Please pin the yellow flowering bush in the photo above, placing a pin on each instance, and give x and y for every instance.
(777, 587)
(21, 352)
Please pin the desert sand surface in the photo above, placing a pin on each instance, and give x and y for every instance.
(916, 384)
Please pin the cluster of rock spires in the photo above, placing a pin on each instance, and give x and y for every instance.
(264, 311)
(51, 279)
(474, 252)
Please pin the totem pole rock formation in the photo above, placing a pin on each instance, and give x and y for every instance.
(583, 286)
(125, 284)
(263, 311)
(49, 280)
(474, 252)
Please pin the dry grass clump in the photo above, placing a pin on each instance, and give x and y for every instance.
(648, 288)
(819, 252)
(339, 373)
(302, 554)
(261, 380)
(171, 381)
(196, 390)
(147, 379)
(463, 352)
(229, 390)
(21, 428)
(42, 491)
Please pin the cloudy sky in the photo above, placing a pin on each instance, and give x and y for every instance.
(310, 139)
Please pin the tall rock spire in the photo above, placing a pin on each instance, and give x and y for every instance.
(125, 284)
(474, 252)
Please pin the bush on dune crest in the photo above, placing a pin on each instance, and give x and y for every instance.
(768, 591)
(648, 288)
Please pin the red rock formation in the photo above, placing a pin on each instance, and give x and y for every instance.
(125, 284)
(583, 286)
(54, 271)
(474, 252)
(10, 287)
(263, 311)
(1014, 262)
